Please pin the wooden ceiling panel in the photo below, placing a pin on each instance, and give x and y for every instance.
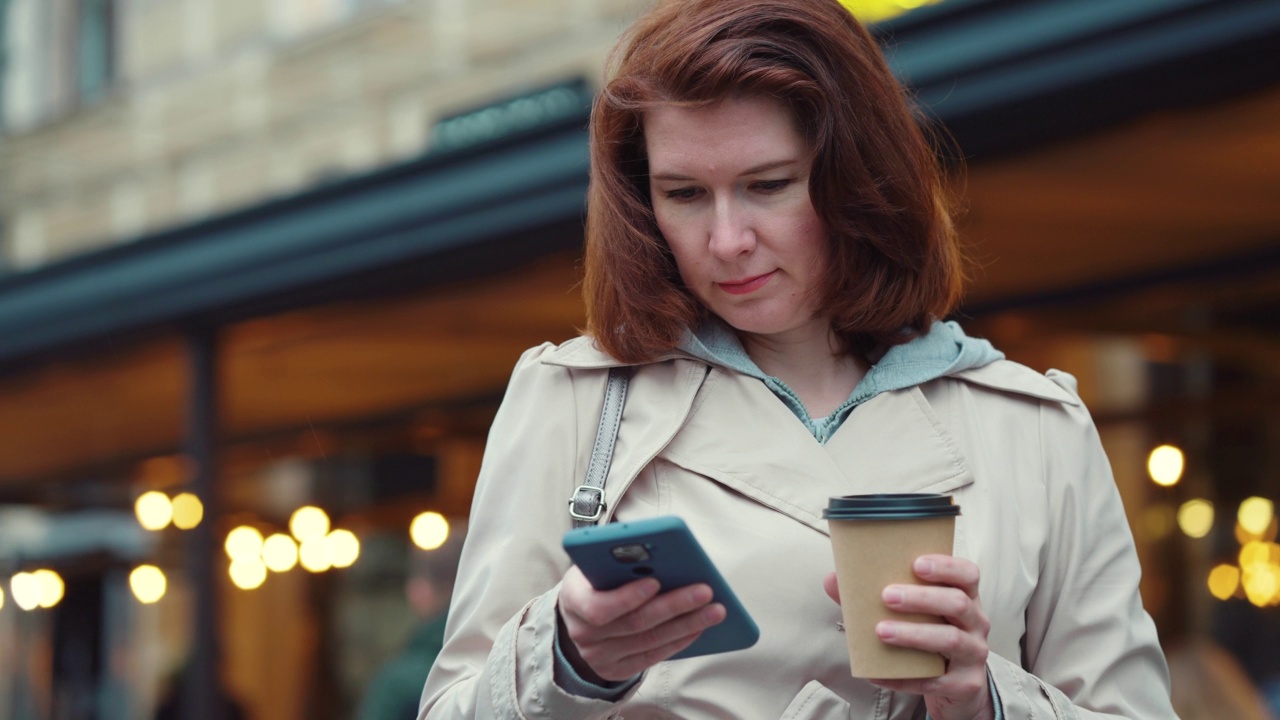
(1166, 191)
(77, 413)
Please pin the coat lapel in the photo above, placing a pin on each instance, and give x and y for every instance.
(732, 429)
(740, 435)
(895, 443)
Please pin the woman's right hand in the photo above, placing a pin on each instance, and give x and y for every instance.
(614, 635)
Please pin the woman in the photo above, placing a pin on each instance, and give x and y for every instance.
(768, 249)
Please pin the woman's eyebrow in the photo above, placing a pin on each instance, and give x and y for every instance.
(756, 169)
(765, 167)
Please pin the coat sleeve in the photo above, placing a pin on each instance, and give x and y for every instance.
(1090, 649)
(497, 660)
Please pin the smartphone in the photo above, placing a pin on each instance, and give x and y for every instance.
(615, 554)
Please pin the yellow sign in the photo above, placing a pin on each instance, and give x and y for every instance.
(871, 11)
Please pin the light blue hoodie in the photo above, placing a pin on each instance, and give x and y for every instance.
(944, 350)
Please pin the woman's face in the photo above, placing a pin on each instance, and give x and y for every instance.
(730, 189)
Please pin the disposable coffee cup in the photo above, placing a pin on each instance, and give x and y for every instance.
(875, 540)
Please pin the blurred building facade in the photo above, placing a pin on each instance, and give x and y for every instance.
(126, 117)
(283, 253)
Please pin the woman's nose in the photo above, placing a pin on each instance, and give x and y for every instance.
(731, 232)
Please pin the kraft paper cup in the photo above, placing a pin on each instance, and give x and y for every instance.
(875, 540)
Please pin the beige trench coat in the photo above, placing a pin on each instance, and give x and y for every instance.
(1040, 516)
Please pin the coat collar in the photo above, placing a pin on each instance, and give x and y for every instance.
(730, 428)
(582, 352)
(1018, 379)
(739, 435)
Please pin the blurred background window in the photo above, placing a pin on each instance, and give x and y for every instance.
(57, 55)
(95, 65)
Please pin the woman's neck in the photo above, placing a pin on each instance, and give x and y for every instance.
(811, 363)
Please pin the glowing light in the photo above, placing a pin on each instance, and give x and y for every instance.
(1261, 584)
(343, 548)
(154, 510)
(309, 523)
(1195, 518)
(1223, 581)
(1255, 515)
(248, 573)
(148, 584)
(25, 589)
(1, 598)
(1267, 535)
(314, 555)
(188, 511)
(280, 553)
(51, 587)
(244, 543)
(1165, 465)
(1253, 554)
(429, 530)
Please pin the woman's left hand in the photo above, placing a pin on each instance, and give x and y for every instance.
(962, 693)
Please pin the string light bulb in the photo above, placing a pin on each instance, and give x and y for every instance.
(1224, 580)
(429, 530)
(1255, 515)
(308, 523)
(280, 553)
(248, 573)
(154, 510)
(1165, 465)
(244, 543)
(52, 588)
(343, 548)
(188, 511)
(148, 584)
(25, 589)
(1195, 518)
(313, 555)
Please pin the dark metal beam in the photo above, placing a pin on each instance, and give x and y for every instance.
(202, 686)
(425, 209)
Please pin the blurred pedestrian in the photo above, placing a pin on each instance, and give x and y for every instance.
(173, 704)
(396, 689)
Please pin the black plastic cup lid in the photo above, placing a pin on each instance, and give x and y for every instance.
(890, 506)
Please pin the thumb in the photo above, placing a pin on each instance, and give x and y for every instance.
(829, 584)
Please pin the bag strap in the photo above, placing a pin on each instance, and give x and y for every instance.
(587, 505)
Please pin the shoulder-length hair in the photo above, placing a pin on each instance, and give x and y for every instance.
(894, 262)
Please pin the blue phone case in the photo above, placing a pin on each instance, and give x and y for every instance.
(662, 547)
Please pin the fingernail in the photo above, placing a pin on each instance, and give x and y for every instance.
(700, 594)
(713, 614)
(886, 630)
(923, 566)
(893, 595)
(650, 586)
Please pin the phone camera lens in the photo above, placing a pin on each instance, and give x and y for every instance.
(635, 553)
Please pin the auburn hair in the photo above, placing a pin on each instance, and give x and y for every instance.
(875, 182)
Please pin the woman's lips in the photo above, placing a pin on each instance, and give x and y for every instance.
(748, 285)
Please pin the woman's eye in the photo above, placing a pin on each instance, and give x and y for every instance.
(682, 194)
(771, 186)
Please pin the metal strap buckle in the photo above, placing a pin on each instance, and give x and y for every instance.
(598, 500)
